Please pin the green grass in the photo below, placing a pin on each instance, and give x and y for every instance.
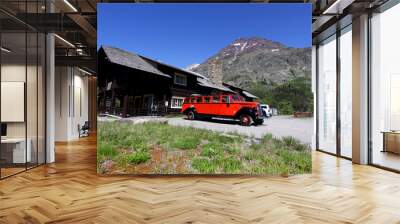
(205, 151)
(105, 150)
(212, 149)
(138, 157)
(204, 165)
(186, 142)
(231, 165)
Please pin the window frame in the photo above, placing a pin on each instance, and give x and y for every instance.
(182, 76)
(227, 97)
(178, 98)
(336, 36)
(214, 98)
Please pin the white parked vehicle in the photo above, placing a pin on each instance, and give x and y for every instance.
(266, 110)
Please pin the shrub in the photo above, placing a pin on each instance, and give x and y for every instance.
(293, 95)
(232, 149)
(186, 142)
(267, 138)
(139, 157)
(285, 107)
(256, 146)
(294, 161)
(231, 164)
(301, 147)
(211, 150)
(290, 141)
(204, 165)
(106, 150)
(294, 144)
(222, 139)
(252, 155)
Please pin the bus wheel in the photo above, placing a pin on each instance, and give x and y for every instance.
(191, 115)
(245, 120)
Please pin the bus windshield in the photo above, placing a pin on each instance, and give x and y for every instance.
(236, 98)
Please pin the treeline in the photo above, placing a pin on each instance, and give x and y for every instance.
(292, 96)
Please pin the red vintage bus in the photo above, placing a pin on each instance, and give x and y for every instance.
(223, 106)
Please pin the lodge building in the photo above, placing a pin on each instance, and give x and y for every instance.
(130, 85)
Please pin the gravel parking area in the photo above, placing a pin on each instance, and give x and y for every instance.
(279, 126)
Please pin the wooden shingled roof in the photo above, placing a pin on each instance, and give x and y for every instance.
(131, 60)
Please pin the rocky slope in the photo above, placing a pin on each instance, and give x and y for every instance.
(250, 60)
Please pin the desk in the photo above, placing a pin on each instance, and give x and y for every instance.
(13, 150)
(391, 141)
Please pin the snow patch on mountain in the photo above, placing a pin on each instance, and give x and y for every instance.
(254, 59)
(192, 66)
(244, 45)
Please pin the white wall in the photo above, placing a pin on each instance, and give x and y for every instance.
(62, 82)
(33, 126)
(71, 102)
(9, 73)
(17, 72)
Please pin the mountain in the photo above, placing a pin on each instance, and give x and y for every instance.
(192, 67)
(247, 61)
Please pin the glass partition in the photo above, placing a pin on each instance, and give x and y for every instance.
(14, 153)
(327, 95)
(22, 77)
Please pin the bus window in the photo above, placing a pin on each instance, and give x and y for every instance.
(187, 99)
(215, 99)
(193, 99)
(207, 99)
(199, 99)
(225, 99)
(236, 98)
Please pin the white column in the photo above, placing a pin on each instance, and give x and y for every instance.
(314, 91)
(62, 103)
(360, 89)
(50, 99)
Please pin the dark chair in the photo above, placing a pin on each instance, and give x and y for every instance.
(84, 130)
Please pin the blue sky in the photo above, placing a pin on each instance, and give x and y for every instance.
(184, 34)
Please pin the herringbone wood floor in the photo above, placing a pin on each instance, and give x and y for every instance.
(70, 191)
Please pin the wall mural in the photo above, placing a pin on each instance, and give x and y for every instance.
(204, 89)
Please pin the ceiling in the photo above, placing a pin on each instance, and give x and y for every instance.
(330, 13)
(75, 21)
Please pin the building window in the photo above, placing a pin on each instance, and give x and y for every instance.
(346, 92)
(176, 102)
(180, 79)
(385, 89)
(327, 95)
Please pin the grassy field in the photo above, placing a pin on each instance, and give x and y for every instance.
(158, 148)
